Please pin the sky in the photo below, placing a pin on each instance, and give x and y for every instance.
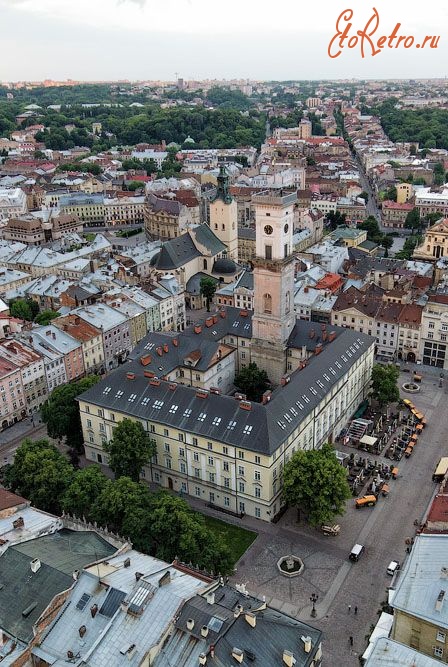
(199, 39)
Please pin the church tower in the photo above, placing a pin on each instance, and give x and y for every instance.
(224, 217)
(274, 317)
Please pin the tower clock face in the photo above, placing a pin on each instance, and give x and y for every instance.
(268, 230)
(285, 228)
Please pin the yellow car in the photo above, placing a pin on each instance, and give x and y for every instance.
(409, 403)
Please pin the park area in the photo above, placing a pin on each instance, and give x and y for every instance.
(237, 539)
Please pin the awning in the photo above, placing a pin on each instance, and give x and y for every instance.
(382, 629)
(368, 440)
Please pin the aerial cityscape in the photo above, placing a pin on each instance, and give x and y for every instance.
(223, 340)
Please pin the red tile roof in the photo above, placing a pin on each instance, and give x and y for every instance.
(8, 499)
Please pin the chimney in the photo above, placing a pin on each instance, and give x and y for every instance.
(197, 329)
(159, 351)
(251, 619)
(222, 313)
(172, 386)
(306, 644)
(18, 523)
(70, 655)
(286, 379)
(245, 405)
(204, 631)
(127, 562)
(212, 650)
(175, 342)
(82, 631)
(77, 319)
(318, 349)
(331, 336)
(266, 397)
(243, 313)
(288, 658)
(138, 576)
(148, 374)
(215, 390)
(238, 654)
(145, 359)
(211, 597)
(209, 322)
(215, 319)
(439, 601)
(237, 611)
(306, 289)
(93, 610)
(53, 336)
(166, 348)
(201, 393)
(202, 659)
(130, 376)
(35, 565)
(190, 624)
(155, 382)
(312, 333)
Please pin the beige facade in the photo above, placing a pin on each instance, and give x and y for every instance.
(224, 216)
(435, 244)
(434, 332)
(231, 477)
(421, 635)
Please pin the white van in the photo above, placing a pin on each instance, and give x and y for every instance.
(356, 552)
(393, 566)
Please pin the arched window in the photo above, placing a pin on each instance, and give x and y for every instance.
(267, 303)
(288, 302)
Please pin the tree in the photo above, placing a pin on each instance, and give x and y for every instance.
(364, 195)
(336, 219)
(60, 412)
(384, 383)
(391, 194)
(439, 174)
(413, 219)
(83, 491)
(24, 309)
(130, 449)
(117, 502)
(370, 225)
(387, 243)
(252, 381)
(45, 317)
(314, 481)
(41, 474)
(208, 289)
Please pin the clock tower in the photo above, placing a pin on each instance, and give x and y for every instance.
(274, 317)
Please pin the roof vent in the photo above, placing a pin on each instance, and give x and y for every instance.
(190, 624)
(18, 523)
(26, 612)
(289, 659)
(172, 386)
(210, 597)
(266, 397)
(245, 405)
(286, 379)
(318, 349)
(166, 348)
(155, 382)
(312, 333)
(148, 374)
(35, 565)
(215, 319)
(159, 351)
(138, 576)
(238, 610)
(222, 313)
(331, 336)
(204, 631)
(175, 342)
(198, 329)
(239, 397)
(127, 562)
(444, 573)
(93, 610)
(145, 360)
(130, 376)
(439, 601)
(238, 654)
(82, 631)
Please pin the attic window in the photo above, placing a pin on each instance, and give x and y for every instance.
(173, 409)
(119, 394)
(106, 390)
(327, 377)
(287, 417)
(282, 425)
(145, 401)
(320, 384)
(235, 324)
(247, 430)
(202, 416)
(132, 398)
(336, 363)
(294, 412)
(149, 346)
(215, 333)
(157, 404)
(299, 405)
(344, 358)
(216, 421)
(187, 412)
(231, 425)
(247, 327)
(332, 371)
(305, 398)
(313, 391)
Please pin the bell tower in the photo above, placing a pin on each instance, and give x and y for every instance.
(224, 215)
(274, 317)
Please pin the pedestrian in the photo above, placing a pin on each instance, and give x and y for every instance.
(350, 639)
(349, 608)
(355, 610)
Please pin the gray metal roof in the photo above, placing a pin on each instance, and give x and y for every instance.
(176, 253)
(273, 633)
(263, 428)
(425, 578)
(389, 653)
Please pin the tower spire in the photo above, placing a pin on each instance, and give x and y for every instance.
(222, 191)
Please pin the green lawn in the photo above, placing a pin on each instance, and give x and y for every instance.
(238, 539)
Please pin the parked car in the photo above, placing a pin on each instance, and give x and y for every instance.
(365, 501)
(393, 567)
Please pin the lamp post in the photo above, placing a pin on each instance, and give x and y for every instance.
(313, 599)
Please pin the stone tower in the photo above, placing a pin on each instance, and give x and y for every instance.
(224, 216)
(274, 316)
